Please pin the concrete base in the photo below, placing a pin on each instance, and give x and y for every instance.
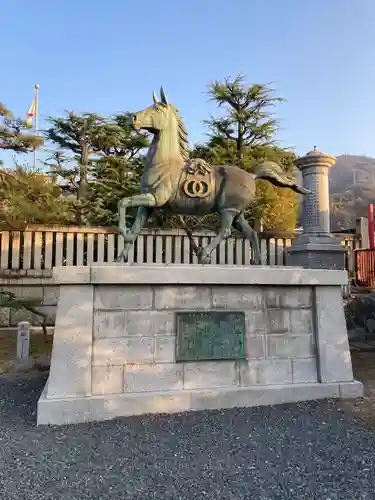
(314, 251)
(108, 407)
(114, 344)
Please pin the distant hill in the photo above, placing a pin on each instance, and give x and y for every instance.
(352, 188)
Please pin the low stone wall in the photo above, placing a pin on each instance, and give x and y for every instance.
(115, 340)
(29, 284)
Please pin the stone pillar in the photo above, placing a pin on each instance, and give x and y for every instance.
(316, 247)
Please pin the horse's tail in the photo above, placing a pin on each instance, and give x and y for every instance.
(273, 173)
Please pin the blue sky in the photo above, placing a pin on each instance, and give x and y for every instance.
(108, 56)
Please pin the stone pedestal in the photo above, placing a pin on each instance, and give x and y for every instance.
(316, 247)
(114, 350)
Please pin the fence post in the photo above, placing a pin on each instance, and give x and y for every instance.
(23, 340)
(362, 229)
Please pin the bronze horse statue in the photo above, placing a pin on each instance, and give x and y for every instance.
(186, 186)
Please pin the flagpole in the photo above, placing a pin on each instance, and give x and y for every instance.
(36, 118)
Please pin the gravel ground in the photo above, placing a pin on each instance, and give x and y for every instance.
(305, 451)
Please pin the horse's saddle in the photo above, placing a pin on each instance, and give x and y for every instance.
(199, 179)
(198, 166)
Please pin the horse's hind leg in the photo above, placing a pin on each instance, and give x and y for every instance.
(242, 225)
(225, 224)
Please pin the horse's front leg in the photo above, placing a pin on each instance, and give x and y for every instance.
(145, 202)
(143, 214)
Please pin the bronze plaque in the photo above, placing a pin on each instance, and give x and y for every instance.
(210, 335)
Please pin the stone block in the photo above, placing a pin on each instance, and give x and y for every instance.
(127, 297)
(70, 373)
(266, 372)
(110, 351)
(297, 297)
(237, 297)
(278, 320)
(107, 379)
(260, 396)
(165, 349)
(157, 377)
(274, 297)
(256, 321)
(26, 292)
(51, 295)
(317, 255)
(80, 410)
(294, 297)
(289, 346)
(71, 275)
(4, 316)
(331, 336)
(182, 297)
(255, 346)
(149, 323)
(207, 374)
(304, 370)
(140, 350)
(351, 390)
(301, 321)
(275, 371)
(193, 274)
(313, 391)
(109, 324)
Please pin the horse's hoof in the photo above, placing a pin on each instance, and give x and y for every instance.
(205, 259)
(121, 258)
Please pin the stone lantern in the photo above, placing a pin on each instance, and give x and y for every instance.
(316, 247)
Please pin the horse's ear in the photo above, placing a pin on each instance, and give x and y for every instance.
(164, 99)
(155, 99)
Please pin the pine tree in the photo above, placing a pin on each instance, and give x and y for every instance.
(117, 171)
(245, 136)
(13, 136)
(76, 137)
(248, 122)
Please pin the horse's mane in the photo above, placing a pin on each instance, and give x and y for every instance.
(182, 136)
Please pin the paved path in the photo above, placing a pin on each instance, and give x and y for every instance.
(306, 451)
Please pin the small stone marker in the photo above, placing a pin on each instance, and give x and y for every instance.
(210, 335)
(23, 340)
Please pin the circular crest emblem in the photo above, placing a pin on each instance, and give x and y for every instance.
(195, 188)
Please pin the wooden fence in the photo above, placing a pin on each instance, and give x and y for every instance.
(44, 247)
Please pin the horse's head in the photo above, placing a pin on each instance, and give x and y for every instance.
(155, 118)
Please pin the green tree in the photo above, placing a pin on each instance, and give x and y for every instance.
(13, 136)
(31, 198)
(276, 207)
(76, 137)
(248, 122)
(101, 158)
(117, 170)
(245, 135)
